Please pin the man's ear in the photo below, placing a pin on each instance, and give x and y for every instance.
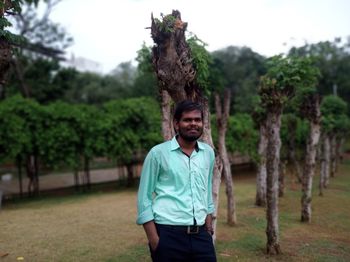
(176, 125)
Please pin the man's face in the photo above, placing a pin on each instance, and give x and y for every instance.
(190, 125)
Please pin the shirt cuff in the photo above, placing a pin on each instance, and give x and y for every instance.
(211, 209)
(144, 217)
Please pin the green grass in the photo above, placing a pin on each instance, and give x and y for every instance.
(100, 226)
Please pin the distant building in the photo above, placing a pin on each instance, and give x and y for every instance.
(83, 64)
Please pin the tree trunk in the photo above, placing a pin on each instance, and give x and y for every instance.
(327, 157)
(167, 123)
(5, 58)
(309, 170)
(76, 178)
(87, 172)
(324, 158)
(36, 175)
(20, 179)
(207, 138)
(272, 162)
(281, 178)
(130, 176)
(333, 154)
(260, 199)
(340, 142)
(222, 115)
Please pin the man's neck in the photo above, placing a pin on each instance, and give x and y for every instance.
(186, 146)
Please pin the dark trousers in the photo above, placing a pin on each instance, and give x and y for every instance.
(177, 244)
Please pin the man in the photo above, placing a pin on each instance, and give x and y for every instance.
(175, 193)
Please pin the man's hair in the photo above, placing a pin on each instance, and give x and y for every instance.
(186, 106)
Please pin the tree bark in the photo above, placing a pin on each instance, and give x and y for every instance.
(20, 179)
(272, 162)
(167, 127)
(87, 172)
(260, 198)
(222, 115)
(325, 159)
(5, 58)
(281, 178)
(130, 176)
(333, 155)
(76, 178)
(309, 169)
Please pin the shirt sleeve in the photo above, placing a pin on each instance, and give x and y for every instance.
(148, 180)
(211, 207)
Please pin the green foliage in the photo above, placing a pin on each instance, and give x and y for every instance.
(333, 105)
(131, 127)
(334, 117)
(333, 61)
(201, 61)
(242, 137)
(20, 125)
(258, 112)
(145, 82)
(62, 134)
(294, 132)
(167, 24)
(283, 77)
(241, 68)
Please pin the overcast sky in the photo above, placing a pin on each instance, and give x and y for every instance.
(111, 31)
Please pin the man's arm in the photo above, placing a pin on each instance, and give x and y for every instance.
(152, 235)
(209, 224)
(148, 180)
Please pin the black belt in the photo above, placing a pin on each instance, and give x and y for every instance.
(187, 229)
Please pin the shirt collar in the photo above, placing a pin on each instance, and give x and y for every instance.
(175, 145)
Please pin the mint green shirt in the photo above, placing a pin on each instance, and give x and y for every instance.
(176, 189)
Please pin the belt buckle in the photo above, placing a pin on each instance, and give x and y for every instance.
(192, 230)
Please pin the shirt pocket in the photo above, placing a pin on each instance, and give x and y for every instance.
(201, 178)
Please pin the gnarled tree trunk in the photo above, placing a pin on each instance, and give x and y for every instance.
(222, 115)
(281, 178)
(310, 164)
(333, 155)
(272, 168)
(325, 160)
(167, 126)
(260, 198)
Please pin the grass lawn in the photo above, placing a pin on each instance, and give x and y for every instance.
(101, 226)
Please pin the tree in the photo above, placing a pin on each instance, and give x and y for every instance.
(41, 42)
(222, 117)
(283, 76)
(333, 60)
(145, 83)
(333, 109)
(309, 102)
(130, 128)
(241, 69)
(28, 115)
(15, 136)
(259, 116)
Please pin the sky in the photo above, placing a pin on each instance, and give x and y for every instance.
(111, 31)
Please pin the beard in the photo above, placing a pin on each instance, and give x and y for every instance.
(187, 135)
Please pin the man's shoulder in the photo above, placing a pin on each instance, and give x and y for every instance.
(205, 146)
(161, 147)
